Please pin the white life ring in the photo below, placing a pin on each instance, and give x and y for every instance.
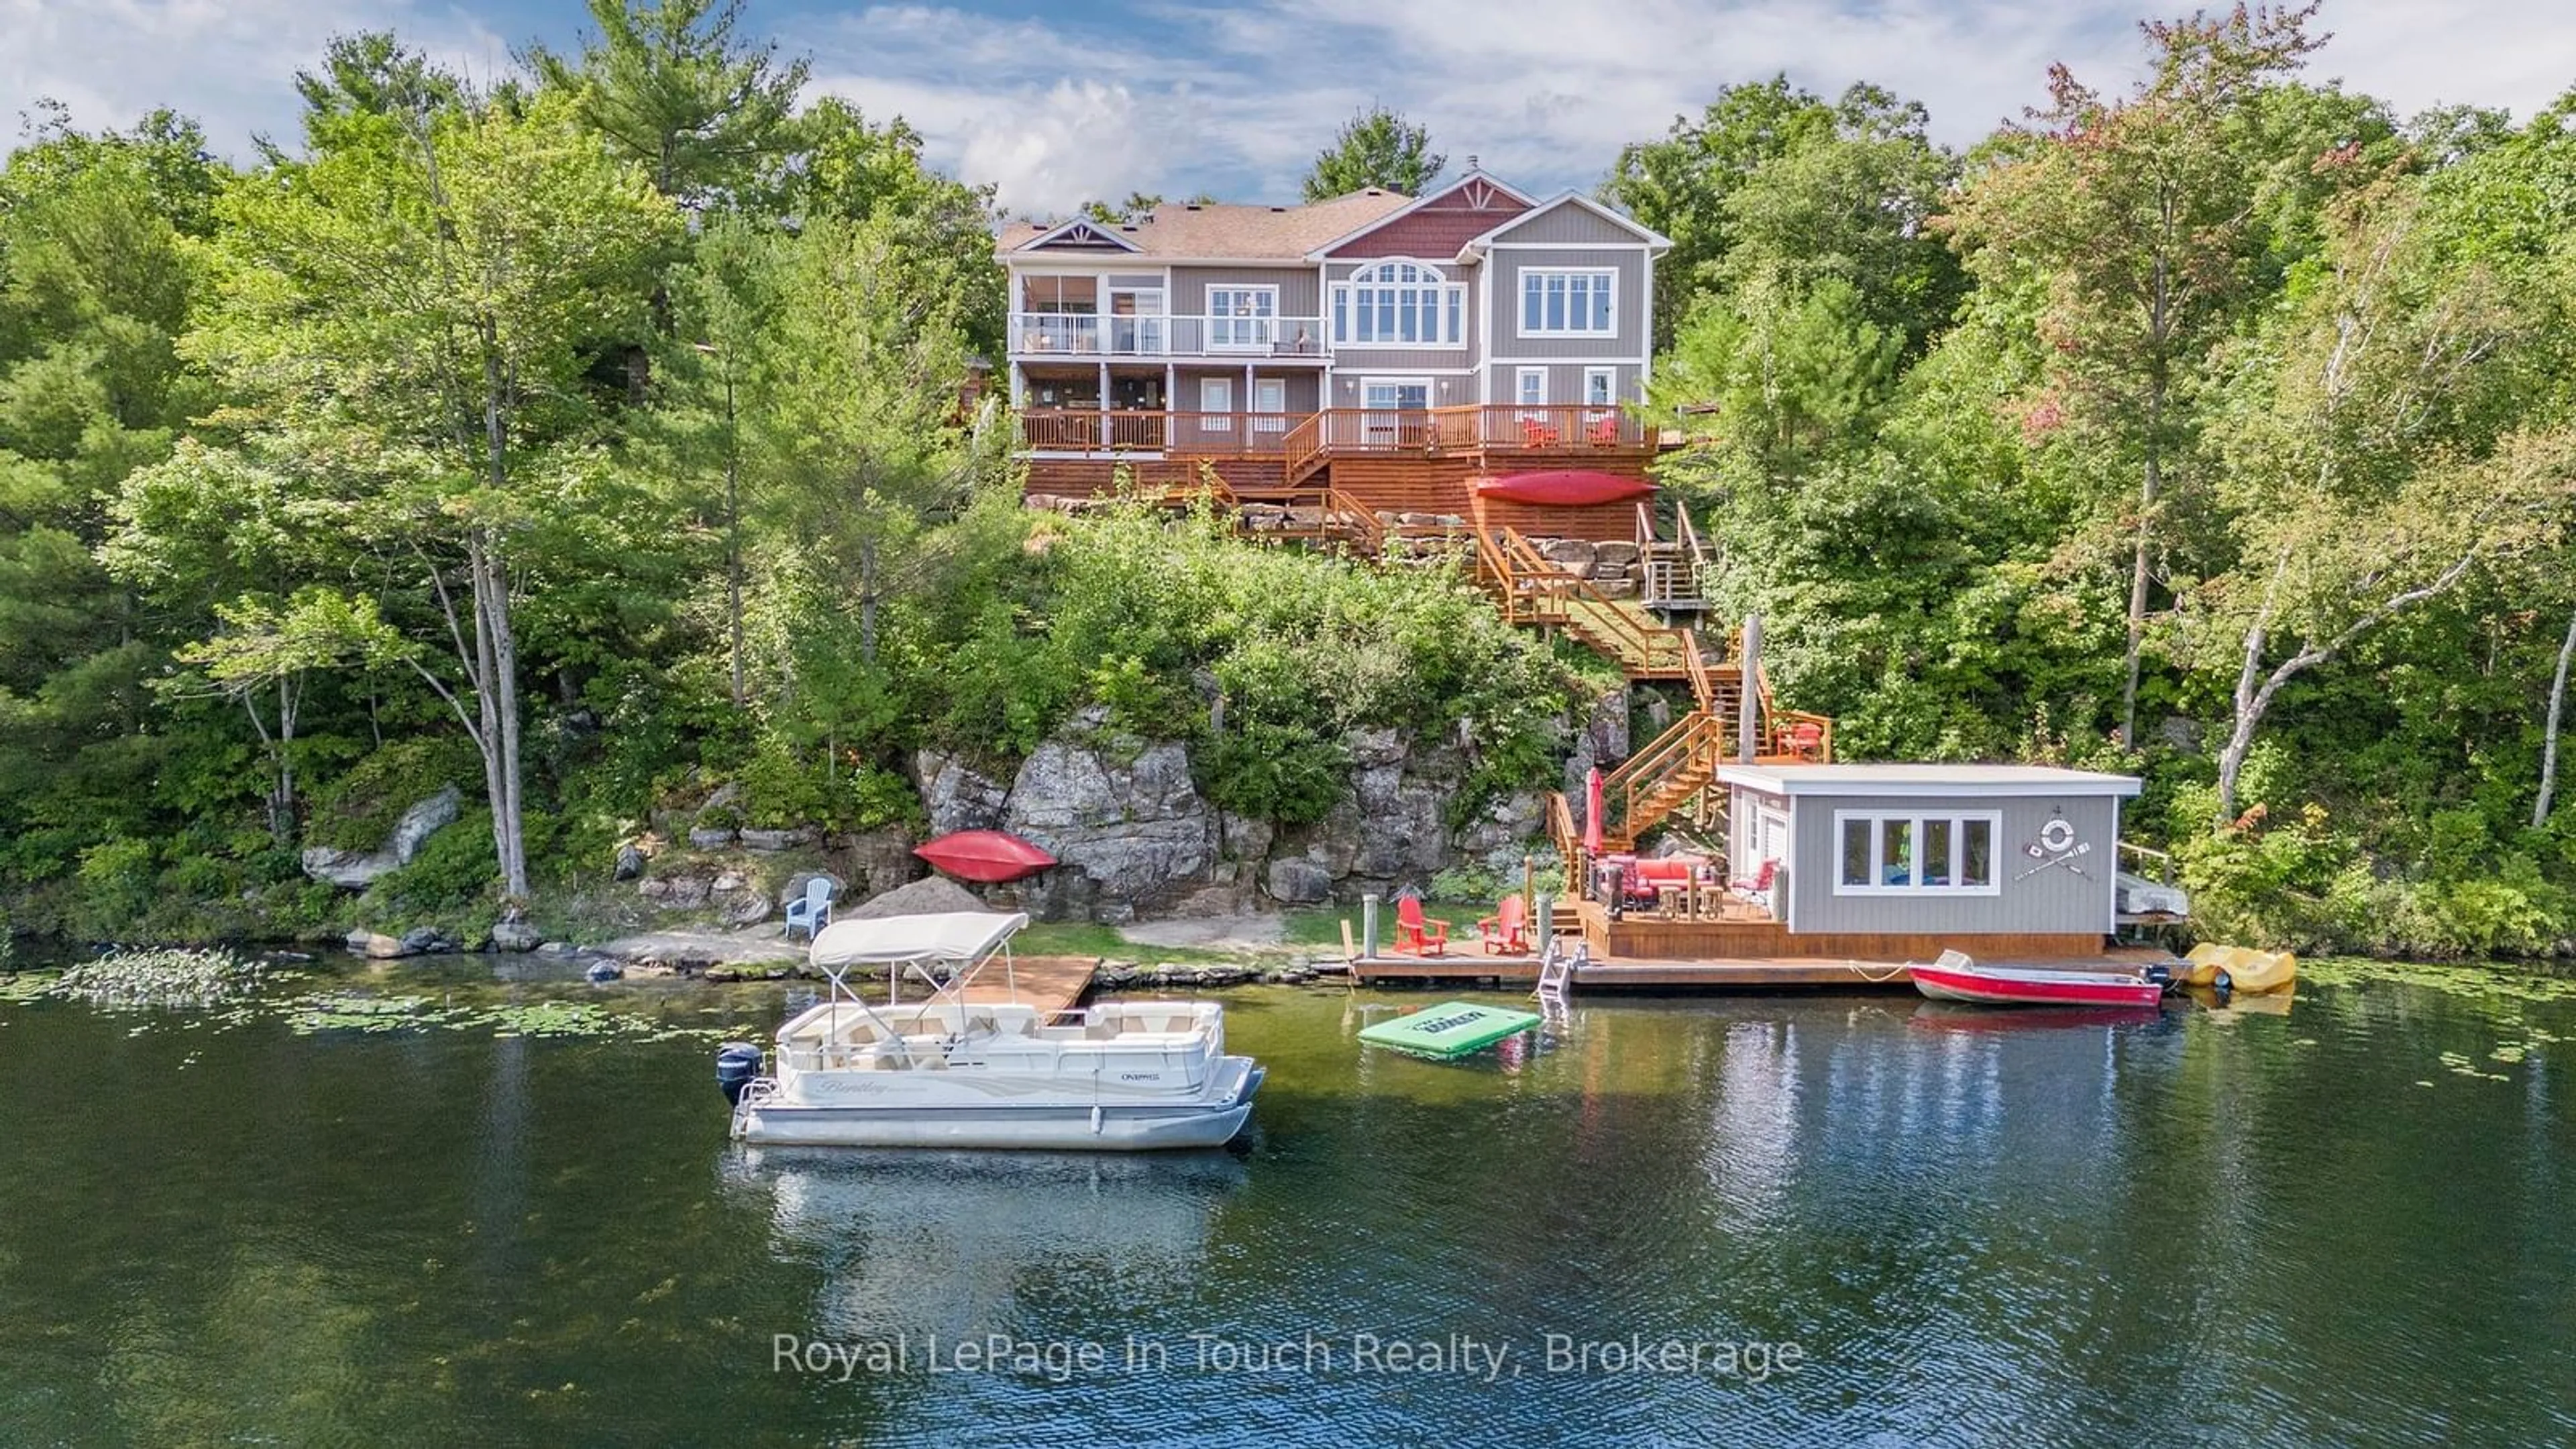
(2058, 835)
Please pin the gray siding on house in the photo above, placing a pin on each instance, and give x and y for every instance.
(1302, 386)
(2055, 899)
(1564, 381)
(1627, 308)
(1298, 296)
(1447, 389)
(1568, 222)
(1349, 357)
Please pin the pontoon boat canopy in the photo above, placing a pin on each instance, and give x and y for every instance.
(946, 936)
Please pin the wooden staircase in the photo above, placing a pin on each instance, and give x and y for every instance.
(1672, 775)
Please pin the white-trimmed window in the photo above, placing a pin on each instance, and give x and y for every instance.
(1569, 301)
(1216, 403)
(1531, 387)
(1600, 386)
(1242, 319)
(1399, 304)
(1916, 852)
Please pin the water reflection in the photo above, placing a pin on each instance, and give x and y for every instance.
(908, 1242)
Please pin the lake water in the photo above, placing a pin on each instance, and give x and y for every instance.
(1827, 1220)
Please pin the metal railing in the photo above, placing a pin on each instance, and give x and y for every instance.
(1086, 334)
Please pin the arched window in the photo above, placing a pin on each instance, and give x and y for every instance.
(1399, 303)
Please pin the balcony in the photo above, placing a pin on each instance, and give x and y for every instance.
(1132, 431)
(1038, 335)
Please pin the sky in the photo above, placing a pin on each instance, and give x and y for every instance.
(1061, 102)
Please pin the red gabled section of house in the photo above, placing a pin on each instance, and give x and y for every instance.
(1440, 224)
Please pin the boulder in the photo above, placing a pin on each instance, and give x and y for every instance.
(376, 946)
(750, 908)
(1297, 880)
(1574, 555)
(879, 860)
(1207, 903)
(516, 936)
(711, 837)
(1613, 554)
(770, 842)
(356, 870)
(421, 940)
(955, 794)
(1126, 825)
(630, 862)
(676, 892)
(930, 895)
(1506, 825)
(728, 882)
(1243, 838)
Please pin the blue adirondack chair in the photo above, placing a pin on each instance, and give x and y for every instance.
(812, 913)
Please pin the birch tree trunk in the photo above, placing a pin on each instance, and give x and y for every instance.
(2549, 738)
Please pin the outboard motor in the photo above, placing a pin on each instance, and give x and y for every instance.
(2161, 975)
(737, 1062)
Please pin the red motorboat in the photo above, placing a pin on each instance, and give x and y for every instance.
(1564, 488)
(991, 856)
(1957, 978)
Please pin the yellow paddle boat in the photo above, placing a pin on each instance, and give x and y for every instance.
(2240, 968)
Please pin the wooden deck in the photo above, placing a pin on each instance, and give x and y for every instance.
(1862, 962)
(1049, 983)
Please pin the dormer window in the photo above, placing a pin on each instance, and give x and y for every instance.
(1399, 303)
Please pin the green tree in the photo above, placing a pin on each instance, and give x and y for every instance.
(677, 90)
(410, 309)
(2135, 214)
(1376, 147)
(97, 274)
(1680, 185)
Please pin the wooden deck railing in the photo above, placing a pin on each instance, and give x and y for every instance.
(1476, 427)
(1125, 430)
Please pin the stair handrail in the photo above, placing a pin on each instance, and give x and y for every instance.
(1695, 665)
(1647, 647)
(1694, 737)
(1568, 842)
(1302, 443)
(1367, 531)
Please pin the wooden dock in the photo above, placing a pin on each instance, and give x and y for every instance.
(1732, 974)
(1049, 983)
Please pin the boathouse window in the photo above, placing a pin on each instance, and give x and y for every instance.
(1398, 304)
(1566, 301)
(1947, 852)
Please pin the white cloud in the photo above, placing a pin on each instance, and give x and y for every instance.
(1178, 97)
(229, 63)
(1237, 100)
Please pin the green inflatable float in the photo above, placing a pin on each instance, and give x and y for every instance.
(1451, 1030)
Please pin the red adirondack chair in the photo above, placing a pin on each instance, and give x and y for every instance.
(1537, 434)
(1760, 882)
(1417, 934)
(1604, 432)
(1506, 931)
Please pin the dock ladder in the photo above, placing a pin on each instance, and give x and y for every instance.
(1556, 975)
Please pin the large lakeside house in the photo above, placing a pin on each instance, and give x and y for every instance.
(1384, 346)
(1460, 369)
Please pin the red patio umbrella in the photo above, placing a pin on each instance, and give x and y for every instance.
(1592, 811)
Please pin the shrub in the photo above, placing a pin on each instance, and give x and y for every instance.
(359, 809)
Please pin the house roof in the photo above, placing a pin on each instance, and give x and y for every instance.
(1612, 215)
(1221, 230)
(1972, 781)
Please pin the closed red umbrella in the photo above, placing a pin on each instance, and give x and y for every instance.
(1592, 811)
